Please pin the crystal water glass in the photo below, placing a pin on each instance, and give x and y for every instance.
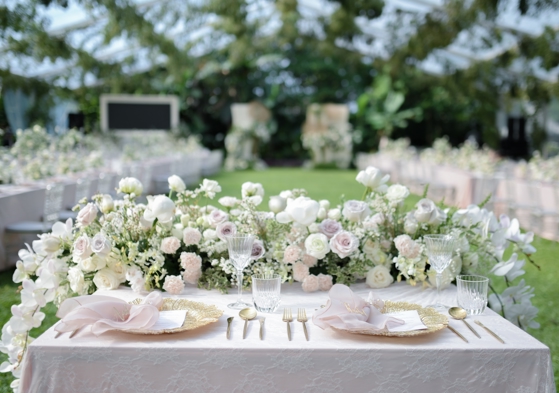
(439, 250)
(240, 251)
(472, 293)
(266, 289)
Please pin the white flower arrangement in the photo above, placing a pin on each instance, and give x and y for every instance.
(332, 146)
(173, 241)
(467, 157)
(242, 145)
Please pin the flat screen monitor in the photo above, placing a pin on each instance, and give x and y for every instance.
(139, 112)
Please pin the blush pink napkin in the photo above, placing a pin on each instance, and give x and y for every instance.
(347, 311)
(105, 313)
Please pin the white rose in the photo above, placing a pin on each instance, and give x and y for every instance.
(379, 277)
(209, 234)
(316, 245)
(425, 208)
(176, 184)
(314, 228)
(106, 203)
(130, 185)
(410, 224)
(277, 204)
(356, 211)
(106, 279)
(396, 193)
(407, 247)
(87, 214)
(210, 187)
(302, 210)
(160, 207)
(92, 263)
(249, 189)
(82, 248)
(255, 199)
(322, 213)
(373, 179)
(228, 201)
(325, 204)
(76, 279)
(286, 194)
(100, 245)
(335, 214)
(50, 243)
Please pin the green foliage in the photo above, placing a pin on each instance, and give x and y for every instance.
(290, 66)
(380, 107)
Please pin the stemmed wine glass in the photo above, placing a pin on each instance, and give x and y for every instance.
(439, 250)
(240, 251)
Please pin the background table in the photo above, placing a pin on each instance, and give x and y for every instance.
(203, 360)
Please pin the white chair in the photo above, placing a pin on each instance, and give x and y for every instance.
(20, 233)
(105, 184)
(51, 211)
(83, 185)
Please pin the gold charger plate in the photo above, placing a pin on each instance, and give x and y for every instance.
(198, 315)
(434, 320)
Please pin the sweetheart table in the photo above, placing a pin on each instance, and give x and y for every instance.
(204, 360)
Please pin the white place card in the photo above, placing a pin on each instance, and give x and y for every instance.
(411, 319)
(169, 320)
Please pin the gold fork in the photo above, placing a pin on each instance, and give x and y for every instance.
(302, 317)
(287, 317)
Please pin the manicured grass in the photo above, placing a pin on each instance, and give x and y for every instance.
(331, 184)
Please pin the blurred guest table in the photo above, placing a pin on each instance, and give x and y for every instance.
(204, 360)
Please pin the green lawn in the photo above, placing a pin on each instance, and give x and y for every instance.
(331, 184)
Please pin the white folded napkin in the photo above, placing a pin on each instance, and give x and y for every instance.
(347, 311)
(106, 313)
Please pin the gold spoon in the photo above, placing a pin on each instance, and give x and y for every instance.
(247, 314)
(229, 320)
(460, 314)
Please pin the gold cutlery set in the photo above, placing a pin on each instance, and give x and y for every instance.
(248, 314)
(460, 314)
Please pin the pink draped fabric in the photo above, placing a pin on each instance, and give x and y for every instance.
(347, 311)
(105, 313)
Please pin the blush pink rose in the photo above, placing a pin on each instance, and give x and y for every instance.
(217, 217)
(300, 271)
(190, 261)
(170, 245)
(344, 243)
(329, 227)
(257, 250)
(87, 214)
(291, 254)
(325, 282)
(173, 284)
(82, 248)
(309, 260)
(311, 283)
(226, 229)
(407, 247)
(192, 276)
(191, 236)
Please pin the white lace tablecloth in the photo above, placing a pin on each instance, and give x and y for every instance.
(203, 360)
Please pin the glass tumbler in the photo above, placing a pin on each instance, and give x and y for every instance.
(266, 289)
(472, 293)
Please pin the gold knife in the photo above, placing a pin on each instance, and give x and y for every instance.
(489, 331)
(456, 332)
(229, 320)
